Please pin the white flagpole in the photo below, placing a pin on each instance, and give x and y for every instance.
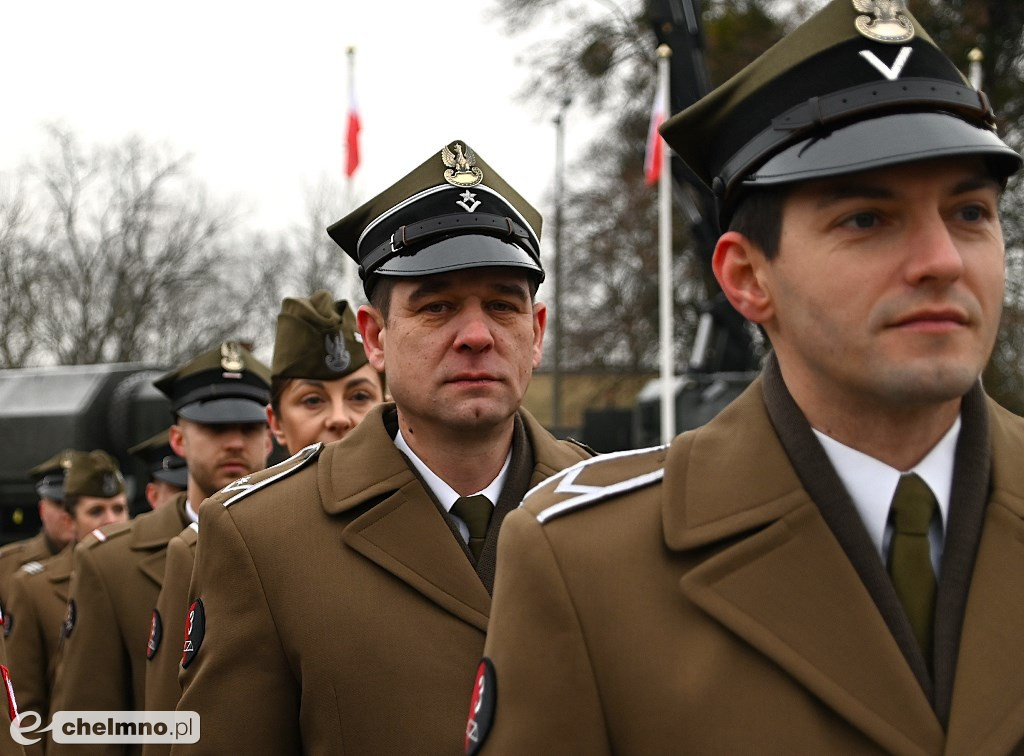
(665, 286)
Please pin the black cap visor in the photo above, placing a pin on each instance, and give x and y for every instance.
(461, 252)
(51, 487)
(224, 412)
(882, 142)
(176, 476)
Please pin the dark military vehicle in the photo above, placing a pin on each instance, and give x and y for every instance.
(43, 410)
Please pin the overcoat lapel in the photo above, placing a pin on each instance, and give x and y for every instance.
(153, 531)
(59, 574)
(781, 582)
(402, 530)
(988, 694)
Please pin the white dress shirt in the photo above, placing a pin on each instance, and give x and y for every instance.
(446, 495)
(872, 484)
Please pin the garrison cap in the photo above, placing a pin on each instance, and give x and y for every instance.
(49, 475)
(858, 86)
(452, 212)
(93, 473)
(161, 461)
(224, 385)
(316, 338)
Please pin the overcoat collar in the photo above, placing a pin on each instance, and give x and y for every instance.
(401, 529)
(779, 580)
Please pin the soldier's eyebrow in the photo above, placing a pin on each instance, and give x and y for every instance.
(834, 192)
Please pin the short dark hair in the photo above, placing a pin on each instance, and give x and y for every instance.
(758, 216)
(71, 502)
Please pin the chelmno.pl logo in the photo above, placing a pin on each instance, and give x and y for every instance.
(109, 727)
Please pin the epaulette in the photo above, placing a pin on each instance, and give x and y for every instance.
(12, 549)
(33, 568)
(107, 533)
(593, 480)
(244, 486)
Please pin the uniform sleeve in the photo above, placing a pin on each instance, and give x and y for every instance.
(544, 693)
(162, 687)
(94, 672)
(239, 681)
(26, 648)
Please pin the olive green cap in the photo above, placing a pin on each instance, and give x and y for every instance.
(161, 461)
(225, 385)
(452, 212)
(49, 475)
(858, 86)
(316, 338)
(93, 473)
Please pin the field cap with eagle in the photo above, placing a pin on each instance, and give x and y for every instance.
(316, 338)
(452, 212)
(93, 473)
(858, 86)
(224, 385)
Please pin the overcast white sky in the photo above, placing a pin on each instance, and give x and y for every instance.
(256, 91)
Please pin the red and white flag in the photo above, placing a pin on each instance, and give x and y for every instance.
(655, 144)
(354, 124)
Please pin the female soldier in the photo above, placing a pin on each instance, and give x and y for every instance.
(321, 384)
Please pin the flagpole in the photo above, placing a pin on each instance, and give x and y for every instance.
(665, 288)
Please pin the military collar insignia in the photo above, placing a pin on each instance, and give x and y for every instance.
(231, 357)
(461, 162)
(886, 22)
(338, 357)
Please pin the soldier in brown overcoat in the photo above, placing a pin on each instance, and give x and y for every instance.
(341, 597)
(833, 564)
(219, 402)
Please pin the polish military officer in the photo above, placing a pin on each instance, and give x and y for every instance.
(57, 531)
(367, 643)
(219, 404)
(746, 589)
(321, 386)
(93, 496)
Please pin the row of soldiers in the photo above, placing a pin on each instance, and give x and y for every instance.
(70, 639)
(832, 565)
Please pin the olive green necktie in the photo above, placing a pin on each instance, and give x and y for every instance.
(910, 561)
(476, 512)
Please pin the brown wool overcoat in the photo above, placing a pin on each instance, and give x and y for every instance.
(14, 555)
(36, 609)
(165, 639)
(702, 605)
(114, 588)
(342, 613)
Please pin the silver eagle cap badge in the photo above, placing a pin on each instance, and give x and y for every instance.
(887, 21)
(337, 356)
(461, 162)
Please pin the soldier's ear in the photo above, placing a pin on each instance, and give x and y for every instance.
(177, 440)
(742, 271)
(371, 328)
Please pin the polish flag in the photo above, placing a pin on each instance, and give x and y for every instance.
(352, 136)
(655, 144)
